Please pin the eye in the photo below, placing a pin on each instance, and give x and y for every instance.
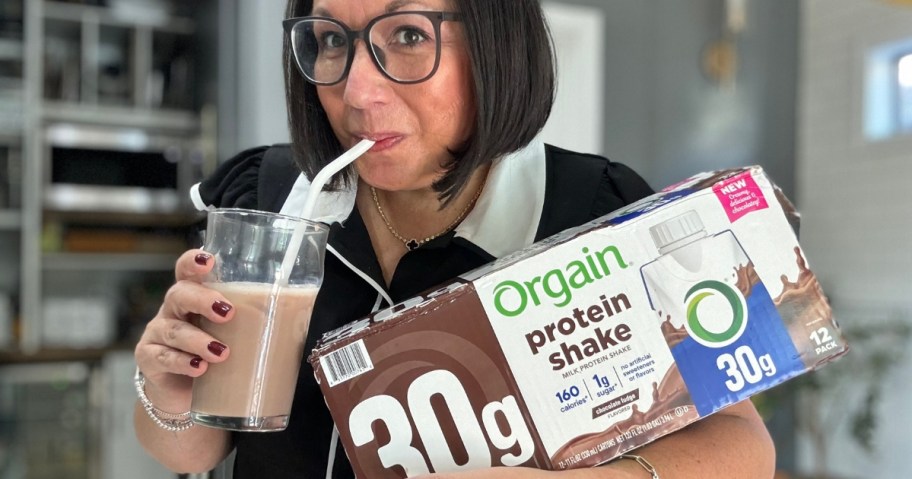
(333, 40)
(409, 36)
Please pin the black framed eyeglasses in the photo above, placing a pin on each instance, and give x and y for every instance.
(405, 46)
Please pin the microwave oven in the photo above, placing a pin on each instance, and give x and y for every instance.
(124, 170)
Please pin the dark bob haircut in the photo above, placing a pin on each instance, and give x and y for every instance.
(513, 74)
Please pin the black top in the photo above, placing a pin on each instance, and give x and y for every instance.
(575, 188)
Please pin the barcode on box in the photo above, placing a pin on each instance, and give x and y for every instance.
(346, 363)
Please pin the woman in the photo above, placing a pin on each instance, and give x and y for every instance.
(453, 93)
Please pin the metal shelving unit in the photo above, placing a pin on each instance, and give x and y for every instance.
(10, 220)
(111, 16)
(134, 117)
(107, 262)
(94, 84)
(107, 79)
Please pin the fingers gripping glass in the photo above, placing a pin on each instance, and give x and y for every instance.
(405, 46)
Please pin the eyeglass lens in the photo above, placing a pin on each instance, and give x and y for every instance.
(404, 46)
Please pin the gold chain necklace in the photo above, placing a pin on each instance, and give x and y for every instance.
(413, 243)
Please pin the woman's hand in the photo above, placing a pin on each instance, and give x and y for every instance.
(172, 351)
(731, 444)
(616, 470)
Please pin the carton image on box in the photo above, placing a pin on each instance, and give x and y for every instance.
(588, 344)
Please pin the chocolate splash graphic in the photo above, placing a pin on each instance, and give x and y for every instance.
(747, 277)
(805, 292)
(791, 214)
(805, 311)
(671, 402)
(673, 335)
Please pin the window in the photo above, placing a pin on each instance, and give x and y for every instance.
(888, 91)
(904, 92)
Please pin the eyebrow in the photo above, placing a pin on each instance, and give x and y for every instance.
(399, 4)
(393, 6)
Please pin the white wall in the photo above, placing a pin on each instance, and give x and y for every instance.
(857, 212)
(667, 120)
(576, 120)
(261, 115)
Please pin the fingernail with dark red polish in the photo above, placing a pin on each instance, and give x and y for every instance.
(217, 348)
(221, 308)
(202, 258)
(195, 362)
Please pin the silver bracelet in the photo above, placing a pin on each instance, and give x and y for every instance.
(642, 462)
(168, 421)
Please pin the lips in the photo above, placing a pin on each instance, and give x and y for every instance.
(383, 141)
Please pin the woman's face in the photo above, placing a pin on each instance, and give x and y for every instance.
(414, 125)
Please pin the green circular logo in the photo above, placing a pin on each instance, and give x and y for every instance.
(738, 320)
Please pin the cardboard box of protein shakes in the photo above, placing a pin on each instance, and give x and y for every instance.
(588, 344)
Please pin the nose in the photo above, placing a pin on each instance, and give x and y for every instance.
(365, 85)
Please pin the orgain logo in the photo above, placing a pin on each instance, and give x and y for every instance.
(714, 325)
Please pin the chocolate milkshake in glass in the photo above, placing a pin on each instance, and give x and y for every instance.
(253, 389)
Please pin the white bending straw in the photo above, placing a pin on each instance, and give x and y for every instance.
(316, 186)
(334, 166)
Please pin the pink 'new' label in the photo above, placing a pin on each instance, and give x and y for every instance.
(740, 195)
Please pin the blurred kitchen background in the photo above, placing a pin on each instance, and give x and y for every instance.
(111, 109)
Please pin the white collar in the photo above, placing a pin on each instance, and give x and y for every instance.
(505, 217)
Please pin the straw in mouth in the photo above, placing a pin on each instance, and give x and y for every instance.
(323, 176)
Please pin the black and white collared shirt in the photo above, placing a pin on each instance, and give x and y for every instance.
(529, 195)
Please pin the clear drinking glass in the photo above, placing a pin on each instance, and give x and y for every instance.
(252, 390)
